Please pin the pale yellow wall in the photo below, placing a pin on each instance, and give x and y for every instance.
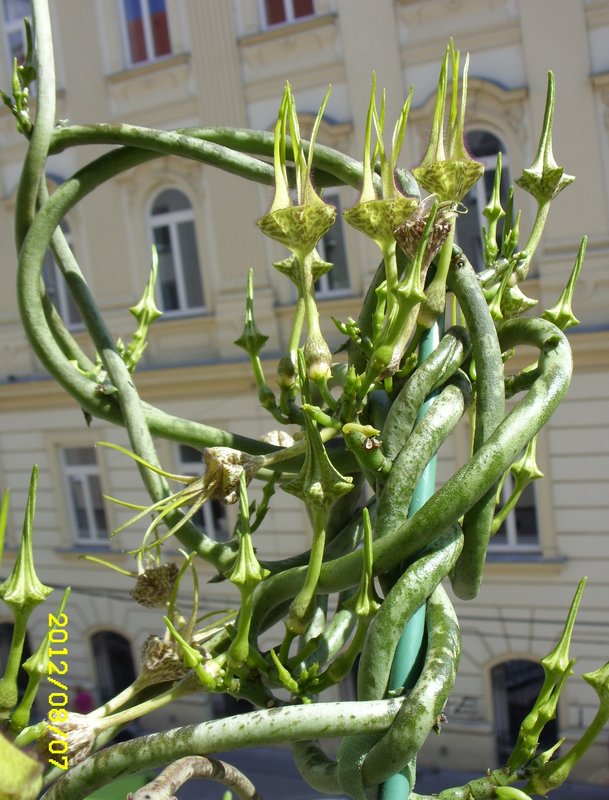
(226, 70)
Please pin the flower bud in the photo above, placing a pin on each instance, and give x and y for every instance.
(318, 359)
(286, 373)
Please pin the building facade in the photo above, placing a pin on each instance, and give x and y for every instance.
(183, 63)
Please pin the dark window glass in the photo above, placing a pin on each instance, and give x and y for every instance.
(113, 663)
(160, 27)
(275, 12)
(516, 684)
(147, 29)
(303, 8)
(135, 31)
(173, 233)
(332, 248)
(483, 146)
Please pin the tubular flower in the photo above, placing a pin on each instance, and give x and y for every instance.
(447, 170)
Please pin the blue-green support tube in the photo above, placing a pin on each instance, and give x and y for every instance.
(409, 653)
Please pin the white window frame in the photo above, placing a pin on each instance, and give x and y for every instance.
(83, 473)
(63, 294)
(10, 26)
(479, 189)
(171, 220)
(511, 544)
(290, 17)
(148, 37)
(210, 527)
(323, 289)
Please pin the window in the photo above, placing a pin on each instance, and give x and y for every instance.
(483, 146)
(173, 233)
(520, 530)
(211, 517)
(332, 248)
(56, 288)
(84, 493)
(147, 30)
(280, 12)
(14, 31)
(516, 684)
(114, 667)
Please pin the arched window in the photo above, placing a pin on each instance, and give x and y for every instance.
(114, 666)
(516, 684)
(173, 233)
(483, 146)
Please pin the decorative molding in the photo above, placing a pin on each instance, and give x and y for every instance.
(300, 79)
(167, 81)
(415, 53)
(142, 182)
(600, 85)
(423, 33)
(283, 31)
(307, 53)
(149, 68)
(489, 106)
(597, 14)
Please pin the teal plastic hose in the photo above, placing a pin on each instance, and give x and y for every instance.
(410, 652)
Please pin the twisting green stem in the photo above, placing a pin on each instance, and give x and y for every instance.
(417, 717)
(490, 408)
(471, 482)
(257, 728)
(32, 172)
(429, 375)
(411, 590)
(539, 224)
(331, 166)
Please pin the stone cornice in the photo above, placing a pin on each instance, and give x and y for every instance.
(590, 354)
(291, 29)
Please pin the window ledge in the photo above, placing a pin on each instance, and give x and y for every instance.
(287, 29)
(187, 313)
(78, 550)
(149, 67)
(506, 563)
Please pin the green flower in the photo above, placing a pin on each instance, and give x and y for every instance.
(23, 590)
(447, 170)
(376, 217)
(544, 179)
(299, 227)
